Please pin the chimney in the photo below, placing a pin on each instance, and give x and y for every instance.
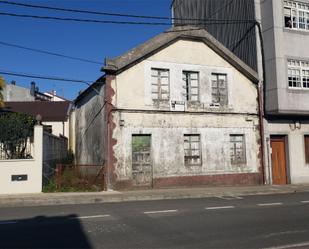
(32, 89)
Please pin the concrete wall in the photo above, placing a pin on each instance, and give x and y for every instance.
(281, 44)
(90, 128)
(16, 93)
(59, 128)
(214, 124)
(296, 164)
(30, 167)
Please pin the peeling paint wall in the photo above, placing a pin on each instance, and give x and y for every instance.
(138, 114)
(90, 135)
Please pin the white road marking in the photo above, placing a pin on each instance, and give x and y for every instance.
(270, 204)
(161, 211)
(230, 197)
(91, 217)
(290, 246)
(223, 207)
(304, 201)
(8, 222)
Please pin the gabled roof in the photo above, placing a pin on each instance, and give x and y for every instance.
(51, 111)
(163, 40)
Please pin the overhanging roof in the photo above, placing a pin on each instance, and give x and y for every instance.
(163, 40)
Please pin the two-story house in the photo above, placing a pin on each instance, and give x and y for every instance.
(178, 110)
(285, 32)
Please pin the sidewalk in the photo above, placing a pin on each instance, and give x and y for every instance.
(46, 199)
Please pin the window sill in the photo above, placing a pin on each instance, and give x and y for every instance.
(296, 31)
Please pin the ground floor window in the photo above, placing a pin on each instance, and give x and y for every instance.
(192, 150)
(307, 148)
(237, 149)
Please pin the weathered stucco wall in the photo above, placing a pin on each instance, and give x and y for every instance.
(90, 127)
(134, 85)
(297, 168)
(167, 143)
(139, 114)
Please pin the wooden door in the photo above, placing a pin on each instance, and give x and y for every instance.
(141, 160)
(278, 159)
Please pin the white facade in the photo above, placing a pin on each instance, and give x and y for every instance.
(167, 124)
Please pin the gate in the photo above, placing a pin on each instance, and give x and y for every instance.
(141, 160)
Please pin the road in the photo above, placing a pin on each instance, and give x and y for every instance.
(272, 221)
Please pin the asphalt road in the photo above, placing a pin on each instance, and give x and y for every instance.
(273, 221)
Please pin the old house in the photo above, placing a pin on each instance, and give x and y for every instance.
(178, 110)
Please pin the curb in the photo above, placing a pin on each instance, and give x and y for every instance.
(130, 196)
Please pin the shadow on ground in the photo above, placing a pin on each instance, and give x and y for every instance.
(43, 232)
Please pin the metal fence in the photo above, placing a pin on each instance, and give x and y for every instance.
(16, 150)
(80, 178)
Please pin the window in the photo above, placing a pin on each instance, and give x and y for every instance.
(307, 148)
(160, 84)
(296, 15)
(237, 149)
(298, 74)
(219, 89)
(192, 150)
(191, 80)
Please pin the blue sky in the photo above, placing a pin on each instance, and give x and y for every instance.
(90, 41)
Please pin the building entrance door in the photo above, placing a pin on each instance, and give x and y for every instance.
(141, 160)
(278, 160)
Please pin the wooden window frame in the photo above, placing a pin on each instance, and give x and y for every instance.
(188, 152)
(306, 143)
(158, 84)
(215, 90)
(233, 149)
(187, 78)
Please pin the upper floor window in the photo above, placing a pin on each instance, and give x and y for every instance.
(219, 89)
(160, 84)
(296, 15)
(298, 74)
(237, 149)
(191, 80)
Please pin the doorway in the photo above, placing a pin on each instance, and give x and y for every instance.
(278, 160)
(141, 161)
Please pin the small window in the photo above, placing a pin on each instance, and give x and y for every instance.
(219, 89)
(298, 74)
(192, 149)
(307, 148)
(237, 149)
(191, 80)
(160, 85)
(288, 18)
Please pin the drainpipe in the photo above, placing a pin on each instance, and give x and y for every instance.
(262, 96)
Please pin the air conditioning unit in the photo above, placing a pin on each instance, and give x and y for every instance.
(179, 106)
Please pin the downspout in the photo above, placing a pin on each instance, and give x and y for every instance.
(261, 97)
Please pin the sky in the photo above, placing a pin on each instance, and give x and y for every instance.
(85, 40)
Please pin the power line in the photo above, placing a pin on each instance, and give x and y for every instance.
(47, 52)
(124, 22)
(27, 75)
(82, 20)
(83, 11)
(108, 13)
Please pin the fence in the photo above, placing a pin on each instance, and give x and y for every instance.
(80, 177)
(55, 149)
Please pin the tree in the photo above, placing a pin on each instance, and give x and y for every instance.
(16, 130)
(2, 84)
